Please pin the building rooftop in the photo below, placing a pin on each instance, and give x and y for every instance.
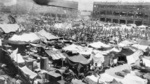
(122, 3)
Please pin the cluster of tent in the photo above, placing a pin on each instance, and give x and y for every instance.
(78, 45)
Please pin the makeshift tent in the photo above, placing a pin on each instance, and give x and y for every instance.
(99, 45)
(116, 50)
(80, 59)
(142, 26)
(146, 61)
(28, 72)
(98, 58)
(141, 47)
(132, 25)
(17, 57)
(15, 42)
(126, 51)
(134, 57)
(47, 35)
(26, 37)
(56, 55)
(78, 49)
(7, 28)
(125, 43)
(132, 48)
(38, 45)
(126, 27)
(42, 38)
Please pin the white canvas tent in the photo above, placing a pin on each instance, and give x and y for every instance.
(99, 59)
(78, 49)
(17, 57)
(26, 37)
(47, 35)
(141, 47)
(134, 57)
(125, 43)
(28, 72)
(142, 26)
(146, 61)
(7, 28)
(99, 45)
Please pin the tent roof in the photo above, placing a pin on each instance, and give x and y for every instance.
(26, 37)
(78, 49)
(126, 51)
(80, 59)
(142, 26)
(141, 47)
(7, 28)
(125, 43)
(15, 42)
(29, 72)
(99, 45)
(55, 54)
(17, 57)
(47, 35)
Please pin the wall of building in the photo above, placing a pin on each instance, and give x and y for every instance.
(124, 13)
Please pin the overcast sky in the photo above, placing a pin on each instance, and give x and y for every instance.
(88, 4)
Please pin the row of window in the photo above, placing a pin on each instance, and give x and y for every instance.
(132, 14)
(123, 6)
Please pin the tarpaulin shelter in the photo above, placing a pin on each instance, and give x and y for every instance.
(99, 59)
(134, 57)
(125, 43)
(99, 45)
(38, 45)
(141, 47)
(115, 50)
(47, 35)
(78, 63)
(15, 42)
(80, 59)
(28, 72)
(56, 55)
(7, 28)
(17, 57)
(78, 49)
(126, 51)
(142, 26)
(146, 61)
(26, 37)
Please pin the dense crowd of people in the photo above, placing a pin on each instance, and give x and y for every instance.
(85, 31)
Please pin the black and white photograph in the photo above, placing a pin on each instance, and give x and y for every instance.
(74, 41)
